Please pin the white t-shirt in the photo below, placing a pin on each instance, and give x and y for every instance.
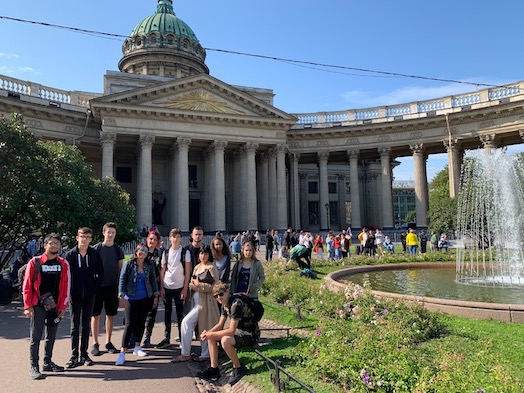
(174, 274)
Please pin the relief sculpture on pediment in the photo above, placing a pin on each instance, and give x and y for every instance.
(199, 101)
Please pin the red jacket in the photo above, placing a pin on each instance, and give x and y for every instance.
(32, 289)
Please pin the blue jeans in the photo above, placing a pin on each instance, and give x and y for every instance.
(412, 249)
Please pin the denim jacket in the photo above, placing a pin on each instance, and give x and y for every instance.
(127, 283)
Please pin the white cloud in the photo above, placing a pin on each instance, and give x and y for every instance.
(8, 55)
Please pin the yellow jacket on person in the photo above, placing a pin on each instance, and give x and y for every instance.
(411, 239)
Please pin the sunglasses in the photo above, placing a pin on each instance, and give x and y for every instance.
(218, 294)
(144, 250)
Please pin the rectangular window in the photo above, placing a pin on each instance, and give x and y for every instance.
(333, 213)
(193, 180)
(312, 187)
(332, 187)
(124, 174)
(313, 213)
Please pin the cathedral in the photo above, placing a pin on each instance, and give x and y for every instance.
(194, 150)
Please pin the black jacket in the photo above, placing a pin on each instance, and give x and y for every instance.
(85, 279)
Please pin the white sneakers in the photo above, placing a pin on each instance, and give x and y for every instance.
(121, 359)
(122, 356)
(139, 352)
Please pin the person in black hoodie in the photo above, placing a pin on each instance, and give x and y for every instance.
(87, 274)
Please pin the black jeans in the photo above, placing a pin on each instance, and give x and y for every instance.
(136, 313)
(81, 310)
(170, 295)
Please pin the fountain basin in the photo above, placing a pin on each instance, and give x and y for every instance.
(468, 309)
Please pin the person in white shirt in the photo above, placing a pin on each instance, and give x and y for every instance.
(175, 273)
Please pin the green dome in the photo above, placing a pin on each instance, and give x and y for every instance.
(164, 21)
(163, 45)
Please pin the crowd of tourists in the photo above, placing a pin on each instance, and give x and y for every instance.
(201, 282)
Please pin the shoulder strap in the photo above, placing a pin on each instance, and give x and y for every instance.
(37, 268)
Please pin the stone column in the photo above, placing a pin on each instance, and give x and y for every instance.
(295, 194)
(354, 189)
(342, 219)
(145, 208)
(251, 186)
(304, 202)
(182, 145)
(242, 185)
(323, 157)
(264, 195)
(386, 192)
(454, 165)
(237, 198)
(107, 140)
(219, 186)
(489, 142)
(281, 188)
(208, 199)
(173, 185)
(421, 184)
(272, 183)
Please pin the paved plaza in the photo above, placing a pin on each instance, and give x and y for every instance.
(151, 373)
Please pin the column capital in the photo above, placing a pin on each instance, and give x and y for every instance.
(385, 152)
(107, 138)
(218, 145)
(146, 140)
(455, 144)
(323, 155)
(296, 156)
(352, 154)
(250, 147)
(489, 140)
(417, 149)
(282, 149)
(182, 142)
(521, 133)
(303, 175)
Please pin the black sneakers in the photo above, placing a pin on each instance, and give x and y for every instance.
(72, 363)
(164, 343)
(34, 372)
(86, 361)
(111, 348)
(209, 373)
(51, 366)
(238, 373)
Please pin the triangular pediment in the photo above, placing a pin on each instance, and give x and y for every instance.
(202, 96)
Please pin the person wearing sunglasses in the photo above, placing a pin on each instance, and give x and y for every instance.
(242, 331)
(138, 291)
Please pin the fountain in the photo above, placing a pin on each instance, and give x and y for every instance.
(490, 233)
(490, 225)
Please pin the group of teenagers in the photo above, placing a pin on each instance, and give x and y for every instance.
(200, 281)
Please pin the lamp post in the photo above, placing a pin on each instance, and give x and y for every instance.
(327, 214)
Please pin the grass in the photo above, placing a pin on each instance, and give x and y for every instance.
(480, 338)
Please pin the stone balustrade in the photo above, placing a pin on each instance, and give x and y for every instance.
(52, 94)
(412, 110)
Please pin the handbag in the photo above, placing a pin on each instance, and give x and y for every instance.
(206, 277)
(47, 301)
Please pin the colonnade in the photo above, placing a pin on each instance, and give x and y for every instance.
(266, 193)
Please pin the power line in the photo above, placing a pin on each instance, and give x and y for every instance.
(301, 62)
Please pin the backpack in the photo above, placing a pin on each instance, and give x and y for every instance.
(21, 271)
(308, 273)
(254, 304)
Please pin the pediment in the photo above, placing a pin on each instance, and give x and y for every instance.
(200, 96)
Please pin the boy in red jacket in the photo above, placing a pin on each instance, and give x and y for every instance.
(46, 275)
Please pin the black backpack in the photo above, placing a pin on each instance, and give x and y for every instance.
(37, 270)
(254, 304)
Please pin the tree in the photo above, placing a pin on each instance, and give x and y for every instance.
(442, 208)
(47, 186)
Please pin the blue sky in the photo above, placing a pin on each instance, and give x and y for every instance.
(463, 40)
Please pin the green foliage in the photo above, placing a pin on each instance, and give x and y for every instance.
(411, 216)
(442, 211)
(47, 186)
(366, 344)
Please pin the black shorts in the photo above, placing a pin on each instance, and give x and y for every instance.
(243, 338)
(107, 298)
